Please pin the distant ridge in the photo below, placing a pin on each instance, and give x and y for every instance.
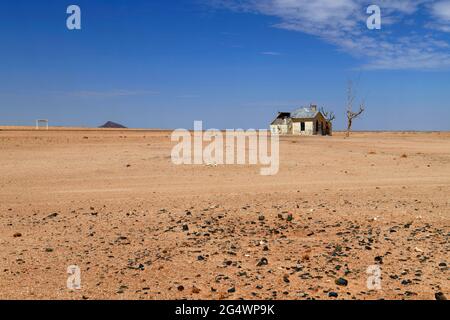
(112, 125)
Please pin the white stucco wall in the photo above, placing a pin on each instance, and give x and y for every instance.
(309, 128)
(280, 129)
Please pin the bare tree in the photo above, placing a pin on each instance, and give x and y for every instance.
(351, 115)
(328, 115)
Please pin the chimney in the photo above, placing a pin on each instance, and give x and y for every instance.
(313, 107)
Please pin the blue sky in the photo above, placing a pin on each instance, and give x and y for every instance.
(232, 64)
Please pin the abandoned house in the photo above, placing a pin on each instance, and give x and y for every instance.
(306, 121)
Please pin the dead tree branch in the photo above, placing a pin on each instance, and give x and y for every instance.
(328, 115)
(351, 115)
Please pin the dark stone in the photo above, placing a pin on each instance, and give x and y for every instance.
(440, 296)
(185, 227)
(262, 262)
(332, 294)
(341, 282)
(406, 282)
(232, 290)
(50, 216)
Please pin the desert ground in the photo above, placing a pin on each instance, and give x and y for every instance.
(140, 227)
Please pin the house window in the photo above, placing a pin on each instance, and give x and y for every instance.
(302, 126)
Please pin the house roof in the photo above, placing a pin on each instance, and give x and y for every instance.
(280, 119)
(304, 113)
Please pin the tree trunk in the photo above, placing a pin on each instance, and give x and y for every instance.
(349, 127)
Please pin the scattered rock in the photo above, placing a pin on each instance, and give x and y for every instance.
(332, 294)
(122, 289)
(410, 294)
(379, 259)
(122, 240)
(51, 216)
(341, 282)
(262, 262)
(440, 296)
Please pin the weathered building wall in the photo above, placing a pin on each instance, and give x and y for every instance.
(319, 124)
(309, 128)
(280, 129)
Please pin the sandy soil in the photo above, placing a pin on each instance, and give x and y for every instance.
(139, 227)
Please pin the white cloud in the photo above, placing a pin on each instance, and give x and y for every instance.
(271, 53)
(441, 10)
(343, 23)
(441, 13)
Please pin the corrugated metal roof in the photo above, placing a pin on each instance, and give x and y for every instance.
(304, 113)
(280, 121)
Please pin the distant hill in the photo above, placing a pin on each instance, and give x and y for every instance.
(112, 125)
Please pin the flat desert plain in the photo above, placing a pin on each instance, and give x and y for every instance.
(138, 227)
